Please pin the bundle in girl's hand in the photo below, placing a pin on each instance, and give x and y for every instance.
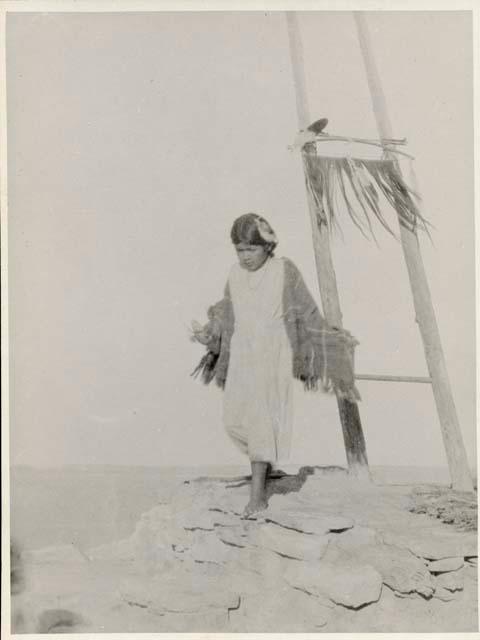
(200, 333)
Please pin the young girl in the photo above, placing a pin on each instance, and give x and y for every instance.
(266, 331)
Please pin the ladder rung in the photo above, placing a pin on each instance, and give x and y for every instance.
(365, 376)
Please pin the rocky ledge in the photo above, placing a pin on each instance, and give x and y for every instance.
(331, 555)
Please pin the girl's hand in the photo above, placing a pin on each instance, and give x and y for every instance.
(200, 334)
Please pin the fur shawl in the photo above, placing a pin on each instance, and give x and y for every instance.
(322, 355)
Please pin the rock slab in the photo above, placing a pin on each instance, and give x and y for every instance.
(349, 584)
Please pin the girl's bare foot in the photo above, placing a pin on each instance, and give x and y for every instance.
(258, 501)
(254, 506)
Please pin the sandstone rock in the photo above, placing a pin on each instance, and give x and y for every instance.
(244, 581)
(283, 610)
(445, 564)
(209, 621)
(62, 554)
(153, 545)
(195, 519)
(400, 569)
(223, 519)
(452, 581)
(178, 593)
(290, 543)
(318, 484)
(232, 536)
(262, 562)
(434, 543)
(206, 547)
(233, 501)
(159, 528)
(304, 518)
(121, 550)
(356, 537)
(349, 584)
(444, 594)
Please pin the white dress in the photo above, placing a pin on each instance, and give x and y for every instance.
(257, 408)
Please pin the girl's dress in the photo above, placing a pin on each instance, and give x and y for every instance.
(266, 331)
(257, 406)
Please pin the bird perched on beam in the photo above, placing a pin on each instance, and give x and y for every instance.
(318, 126)
(309, 134)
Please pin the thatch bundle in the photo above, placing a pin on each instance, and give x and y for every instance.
(359, 182)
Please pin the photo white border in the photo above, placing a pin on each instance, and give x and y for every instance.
(138, 6)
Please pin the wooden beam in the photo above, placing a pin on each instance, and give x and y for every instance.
(425, 313)
(349, 414)
(382, 378)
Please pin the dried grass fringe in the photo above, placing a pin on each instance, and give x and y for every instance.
(360, 183)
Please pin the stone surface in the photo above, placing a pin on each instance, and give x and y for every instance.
(199, 579)
(178, 593)
(308, 519)
(444, 594)
(209, 621)
(207, 547)
(349, 584)
(196, 519)
(453, 580)
(400, 569)
(356, 537)
(232, 536)
(445, 564)
(434, 543)
(268, 565)
(291, 543)
(271, 612)
(64, 554)
(318, 484)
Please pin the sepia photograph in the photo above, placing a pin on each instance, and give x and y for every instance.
(238, 318)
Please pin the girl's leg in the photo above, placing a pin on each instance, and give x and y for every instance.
(258, 500)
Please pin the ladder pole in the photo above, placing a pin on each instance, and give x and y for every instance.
(425, 313)
(349, 414)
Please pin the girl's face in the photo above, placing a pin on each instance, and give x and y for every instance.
(251, 256)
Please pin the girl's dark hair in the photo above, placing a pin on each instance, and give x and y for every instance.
(246, 229)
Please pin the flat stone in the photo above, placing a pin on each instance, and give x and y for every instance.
(356, 537)
(283, 610)
(63, 554)
(444, 594)
(244, 581)
(159, 528)
(349, 584)
(434, 543)
(178, 593)
(400, 569)
(123, 550)
(263, 562)
(452, 581)
(224, 519)
(207, 547)
(445, 564)
(196, 519)
(290, 543)
(232, 536)
(306, 518)
(339, 481)
(233, 501)
(209, 621)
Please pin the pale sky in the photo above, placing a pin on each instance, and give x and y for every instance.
(134, 140)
